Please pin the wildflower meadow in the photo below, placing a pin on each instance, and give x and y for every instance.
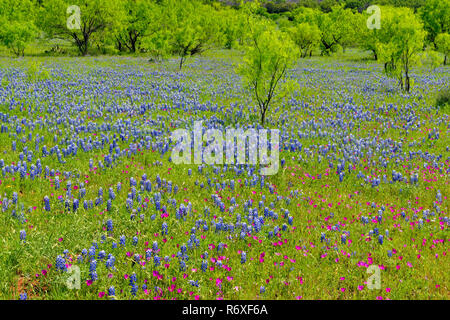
(96, 203)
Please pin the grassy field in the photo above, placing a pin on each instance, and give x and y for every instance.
(364, 181)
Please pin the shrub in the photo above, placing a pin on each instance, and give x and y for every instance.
(443, 100)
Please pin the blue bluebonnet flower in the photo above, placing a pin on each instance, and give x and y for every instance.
(75, 205)
(23, 235)
(155, 246)
(23, 296)
(91, 252)
(112, 195)
(133, 280)
(290, 220)
(93, 265)
(46, 203)
(61, 263)
(109, 225)
(164, 228)
(204, 265)
(93, 275)
(193, 283)
(101, 254)
(439, 196)
(243, 257)
(135, 240)
(111, 291)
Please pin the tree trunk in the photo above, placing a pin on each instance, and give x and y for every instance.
(181, 62)
(133, 39)
(407, 85)
(84, 44)
(84, 49)
(263, 114)
(445, 60)
(304, 53)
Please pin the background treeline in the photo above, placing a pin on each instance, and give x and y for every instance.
(411, 32)
(182, 27)
(283, 6)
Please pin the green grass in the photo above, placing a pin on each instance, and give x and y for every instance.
(210, 79)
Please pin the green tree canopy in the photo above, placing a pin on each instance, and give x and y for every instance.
(141, 18)
(17, 28)
(436, 17)
(306, 36)
(402, 43)
(192, 27)
(268, 55)
(96, 16)
(443, 45)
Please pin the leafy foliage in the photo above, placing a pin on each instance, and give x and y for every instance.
(17, 28)
(402, 41)
(97, 18)
(443, 45)
(268, 55)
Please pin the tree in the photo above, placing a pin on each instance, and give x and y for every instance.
(157, 44)
(306, 36)
(17, 28)
(337, 27)
(17, 35)
(141, 19)
(268, 55)
(436, 17)
(443, 45)
(193, 27)
(402, 48)
(340, 28)
(369, 38)
(232, 25)
(96, 16)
